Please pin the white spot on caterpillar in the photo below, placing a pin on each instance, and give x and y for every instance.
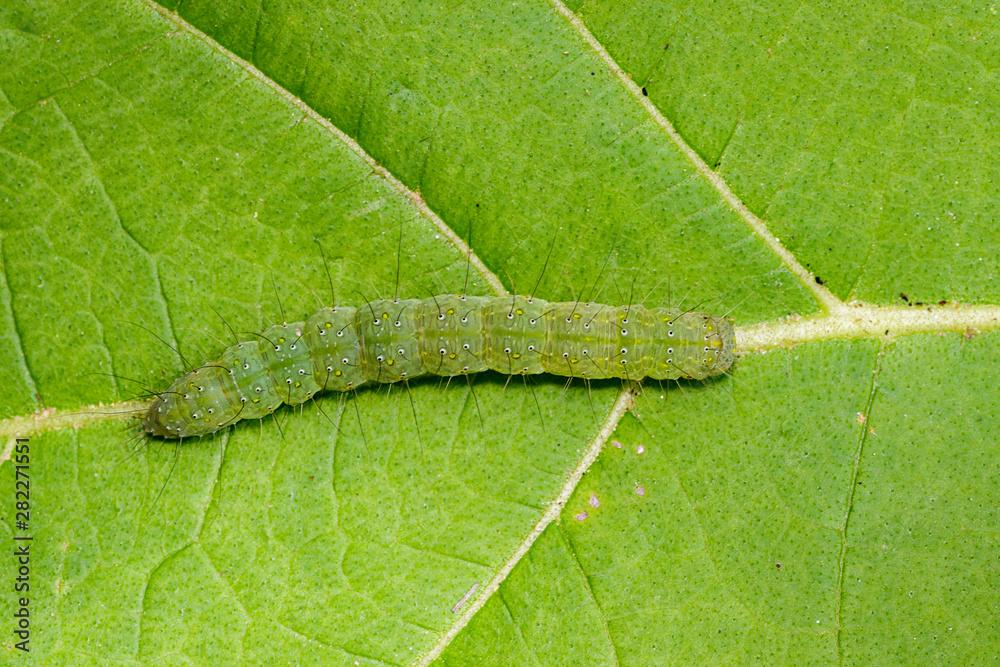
(640, 490)
(582, 516)
(594, 502)
(616, 444)
(640, 449)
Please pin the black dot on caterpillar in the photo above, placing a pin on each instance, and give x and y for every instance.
(395, 340)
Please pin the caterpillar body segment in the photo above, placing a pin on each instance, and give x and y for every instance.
(343, 348)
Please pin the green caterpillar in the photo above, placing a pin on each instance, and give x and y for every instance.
(342, 348)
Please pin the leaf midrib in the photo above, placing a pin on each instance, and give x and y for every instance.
(855, 321)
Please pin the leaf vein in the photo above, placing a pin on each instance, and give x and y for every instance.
(819, 292)
(849, 501)
(29, 376)
(621, 406)
(590, 592)
(414, 197)
(82, 145)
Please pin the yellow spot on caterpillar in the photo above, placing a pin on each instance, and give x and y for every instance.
(338, 372)
(390, 361)
(576, 316)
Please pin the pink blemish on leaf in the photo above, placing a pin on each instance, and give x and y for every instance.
(594, 502)
(616, 444)
(582, 516)
(640, 490)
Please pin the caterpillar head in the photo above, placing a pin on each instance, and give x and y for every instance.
(162, 420)
(196, 404)
(695, 346)
(720, 343)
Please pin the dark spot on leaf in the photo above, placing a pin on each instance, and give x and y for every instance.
(777, 565)
(820, 281)
(902, 295)
(666, 46)
(645, 93)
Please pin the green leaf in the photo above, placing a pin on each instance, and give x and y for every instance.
(835, 500)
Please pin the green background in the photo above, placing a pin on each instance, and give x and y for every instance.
(838, 501)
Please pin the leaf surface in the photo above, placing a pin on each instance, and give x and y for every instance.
(835, 500)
